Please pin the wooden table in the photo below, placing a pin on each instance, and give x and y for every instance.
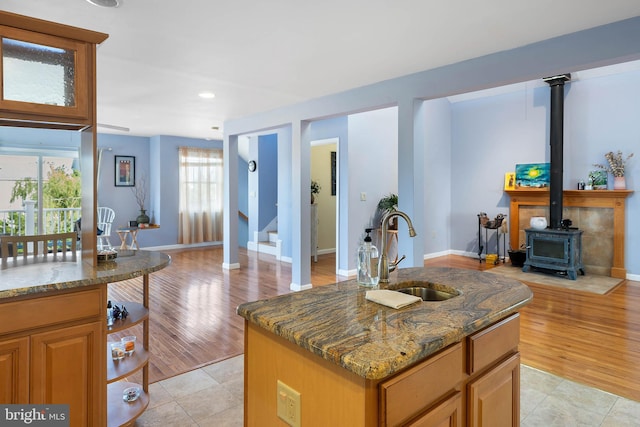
(124, 233)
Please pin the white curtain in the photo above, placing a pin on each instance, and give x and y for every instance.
(201, 197)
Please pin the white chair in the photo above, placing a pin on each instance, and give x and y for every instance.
(105, 219)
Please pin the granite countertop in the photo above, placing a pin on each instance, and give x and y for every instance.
(373, 341)
(30, 278)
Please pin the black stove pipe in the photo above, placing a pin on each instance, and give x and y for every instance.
(557, 146)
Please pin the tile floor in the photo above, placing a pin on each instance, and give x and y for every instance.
(212, 397)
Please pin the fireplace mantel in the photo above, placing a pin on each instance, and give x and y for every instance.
(613, 199)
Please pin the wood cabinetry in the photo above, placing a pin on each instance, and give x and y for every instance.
(405, 395)
(494, 398)
(60, 94)
(52, 355)
(48, 80)
(445, 414)
(14, 370)
(60, 361)
(475, 382)
(493, 395)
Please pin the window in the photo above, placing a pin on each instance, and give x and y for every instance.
(201, 195)
(39, 193)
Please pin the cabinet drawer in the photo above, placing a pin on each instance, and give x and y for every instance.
(27, 314)
(412, 391)
(492, 343)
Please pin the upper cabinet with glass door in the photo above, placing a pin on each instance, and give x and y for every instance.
(47, 73)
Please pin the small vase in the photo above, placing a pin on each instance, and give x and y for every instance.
(538, 222)
(619, 183)
(143, 218)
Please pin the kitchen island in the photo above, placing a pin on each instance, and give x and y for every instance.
(53, 335)
(355, 362)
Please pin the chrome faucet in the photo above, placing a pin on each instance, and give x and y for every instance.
(384, 267)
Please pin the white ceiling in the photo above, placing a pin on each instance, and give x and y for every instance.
(260, 55)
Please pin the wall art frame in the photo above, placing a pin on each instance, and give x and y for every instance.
(125, 171)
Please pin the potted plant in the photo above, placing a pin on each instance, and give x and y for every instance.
(388, 204)
(315, 189)
(140, 193)
(615, 166)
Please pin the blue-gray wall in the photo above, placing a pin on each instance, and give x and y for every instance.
(468, 146)
(491, 135)
(268, 179)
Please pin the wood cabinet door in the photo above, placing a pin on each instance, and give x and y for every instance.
(494, 398)
(14, 370)
(446, 414)
(68, 367)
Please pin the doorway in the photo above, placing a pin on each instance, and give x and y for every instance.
(325, 171)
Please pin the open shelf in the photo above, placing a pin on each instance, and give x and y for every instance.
(137, 313)
(119, 412)
(117, 370)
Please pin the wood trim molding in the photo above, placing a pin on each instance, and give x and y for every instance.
(613, 199)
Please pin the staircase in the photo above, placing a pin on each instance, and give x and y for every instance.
(266, 243)
(269, 246)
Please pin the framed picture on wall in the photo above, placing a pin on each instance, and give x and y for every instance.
(125, 171)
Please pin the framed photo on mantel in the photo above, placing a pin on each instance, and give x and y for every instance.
(510, 181)
(125, 171)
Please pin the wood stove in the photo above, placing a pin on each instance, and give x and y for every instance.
(556, 251)
(557, 248)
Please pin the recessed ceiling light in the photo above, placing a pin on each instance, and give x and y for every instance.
(207, 95)
(105, 3)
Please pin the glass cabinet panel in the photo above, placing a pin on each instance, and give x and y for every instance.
(44, 75)
(38, 73)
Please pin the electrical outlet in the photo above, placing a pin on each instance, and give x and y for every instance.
(363, 197)
(288, 407)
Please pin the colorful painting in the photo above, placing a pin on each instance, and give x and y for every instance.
(534, 175)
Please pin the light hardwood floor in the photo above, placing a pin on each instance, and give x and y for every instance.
(588, 338)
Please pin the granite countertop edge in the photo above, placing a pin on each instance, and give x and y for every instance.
(32, 279)
(373, 341)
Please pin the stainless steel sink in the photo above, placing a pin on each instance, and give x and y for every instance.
(427, 291)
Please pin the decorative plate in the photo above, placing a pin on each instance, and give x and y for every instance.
(131, 394)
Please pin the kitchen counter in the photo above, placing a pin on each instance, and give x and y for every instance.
(373, 341)
(53, 334)
(21, 279)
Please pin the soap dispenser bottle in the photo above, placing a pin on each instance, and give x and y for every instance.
(367, 262)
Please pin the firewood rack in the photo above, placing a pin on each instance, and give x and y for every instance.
(491, 226)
